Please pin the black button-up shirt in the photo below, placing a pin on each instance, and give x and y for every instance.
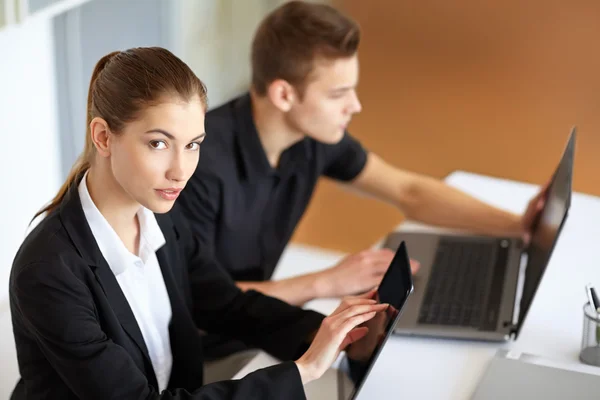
(243, 210)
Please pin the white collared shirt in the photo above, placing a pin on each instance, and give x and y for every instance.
(140, 279)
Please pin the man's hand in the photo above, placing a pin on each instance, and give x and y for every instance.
(358, 273)
(533, 212)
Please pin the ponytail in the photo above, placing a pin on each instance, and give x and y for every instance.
(84, 160)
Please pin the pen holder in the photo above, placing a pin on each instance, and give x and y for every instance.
(590, 341)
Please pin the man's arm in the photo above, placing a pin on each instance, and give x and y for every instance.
(431, 201)
(297, 290)
(356, 273)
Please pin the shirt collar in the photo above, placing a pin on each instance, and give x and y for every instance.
(112, 247)
(253, 154)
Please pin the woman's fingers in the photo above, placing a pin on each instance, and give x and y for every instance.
(353, 323)
(352, 301)
(352, 319)
(355, 310)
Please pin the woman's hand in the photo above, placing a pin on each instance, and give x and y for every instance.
(337, 331)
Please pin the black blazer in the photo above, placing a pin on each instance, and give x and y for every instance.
(77, 337)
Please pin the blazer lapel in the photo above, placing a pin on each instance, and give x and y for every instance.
(186, 345)
(75, 223)
(168, 259)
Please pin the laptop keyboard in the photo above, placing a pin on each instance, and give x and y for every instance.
(460, 291)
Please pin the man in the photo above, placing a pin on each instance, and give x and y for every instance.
(267, 150)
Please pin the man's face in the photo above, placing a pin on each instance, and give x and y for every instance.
(329, 101)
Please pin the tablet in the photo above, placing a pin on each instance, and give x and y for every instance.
(394, 289)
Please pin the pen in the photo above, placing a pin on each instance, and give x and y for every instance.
(588, 292)
(596, 302)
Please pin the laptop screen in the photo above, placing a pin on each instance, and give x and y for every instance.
(548, 226)
(394, 290)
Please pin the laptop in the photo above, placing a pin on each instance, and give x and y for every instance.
(346, 382)
(468, 286)
(533, 377)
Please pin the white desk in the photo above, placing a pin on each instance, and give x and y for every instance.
(419, 368)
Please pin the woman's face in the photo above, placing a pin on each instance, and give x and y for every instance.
(154, 156)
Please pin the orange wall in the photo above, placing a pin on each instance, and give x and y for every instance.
(488, 87)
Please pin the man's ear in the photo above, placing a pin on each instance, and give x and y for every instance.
(100, 134)
(282, 94)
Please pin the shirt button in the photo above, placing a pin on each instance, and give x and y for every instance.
(139, 263)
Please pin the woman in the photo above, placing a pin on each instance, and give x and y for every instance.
(108, 292)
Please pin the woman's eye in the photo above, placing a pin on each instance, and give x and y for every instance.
(193, 146)
(158, 144)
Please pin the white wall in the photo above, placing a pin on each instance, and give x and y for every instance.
(29, 156)
(29, 160)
